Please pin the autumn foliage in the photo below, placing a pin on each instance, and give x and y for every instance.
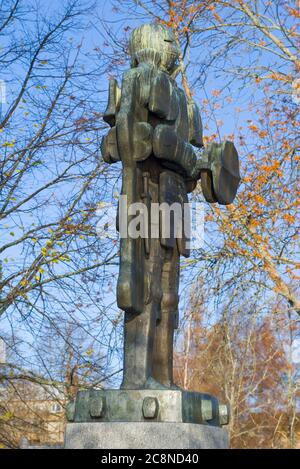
(239, 337)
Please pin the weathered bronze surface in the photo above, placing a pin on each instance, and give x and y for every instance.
(155, 131)
(171, 405)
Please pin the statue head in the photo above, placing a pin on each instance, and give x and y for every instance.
(154, 44)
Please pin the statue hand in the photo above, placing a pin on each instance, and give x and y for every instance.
(109, 147)
(220, 176)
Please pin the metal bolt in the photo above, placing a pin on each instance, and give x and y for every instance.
(70, 411)
(150, 407)
(206, 409)
(224, 414)
(97, 406)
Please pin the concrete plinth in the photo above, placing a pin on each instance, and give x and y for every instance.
(144, 435)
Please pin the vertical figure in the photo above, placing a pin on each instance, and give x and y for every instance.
(155, 132)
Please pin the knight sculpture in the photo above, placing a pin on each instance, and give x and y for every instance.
(155, 133)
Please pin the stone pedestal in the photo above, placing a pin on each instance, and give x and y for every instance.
(144, 435)
(147, 405)
(146, 419)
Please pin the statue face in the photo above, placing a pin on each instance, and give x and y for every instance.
(153, 43)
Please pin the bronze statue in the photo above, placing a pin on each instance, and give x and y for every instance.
(155, 132)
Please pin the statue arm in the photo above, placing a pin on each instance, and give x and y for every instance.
(167, 145)
(196, 140)
(195, 125)
(113, 105)
(134, 133)
(109, 147)
(130, 137)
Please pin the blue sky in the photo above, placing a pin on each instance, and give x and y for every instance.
(238, 95)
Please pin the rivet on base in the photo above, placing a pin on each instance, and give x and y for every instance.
(97, 406)
(224, 414)
(150, 407)
(206, 410)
